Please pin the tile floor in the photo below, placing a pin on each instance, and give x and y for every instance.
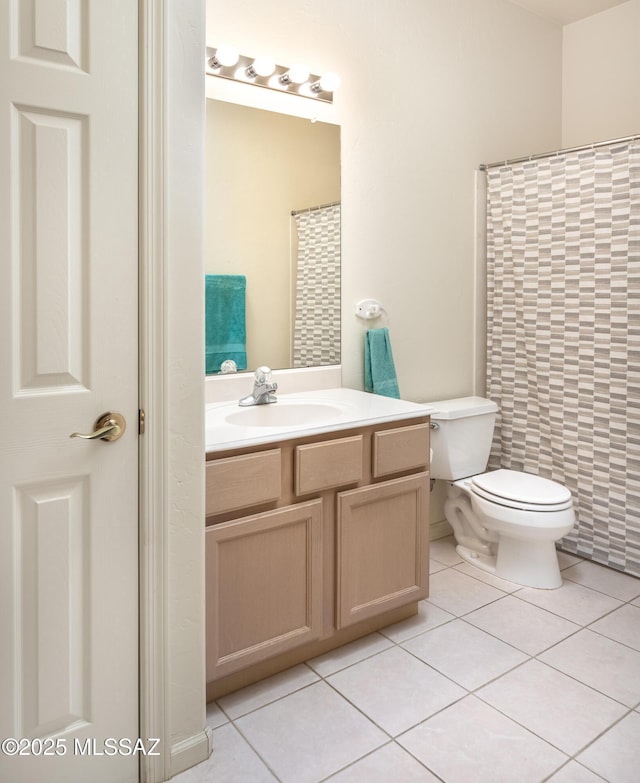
(489, 682)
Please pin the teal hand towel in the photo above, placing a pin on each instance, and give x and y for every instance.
(225, 322)
(379, 369)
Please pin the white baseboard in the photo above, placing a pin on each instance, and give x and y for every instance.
(191, 751)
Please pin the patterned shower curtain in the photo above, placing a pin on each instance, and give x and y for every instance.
(563, 358)
(316, 336)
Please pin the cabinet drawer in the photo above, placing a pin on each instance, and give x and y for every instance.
(240, 482)
(404, 448)
(332, 463)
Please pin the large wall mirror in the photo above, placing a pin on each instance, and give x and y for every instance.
(273, 223)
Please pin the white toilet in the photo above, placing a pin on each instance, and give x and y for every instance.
(505, 522)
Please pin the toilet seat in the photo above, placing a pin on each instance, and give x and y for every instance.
(524, 491)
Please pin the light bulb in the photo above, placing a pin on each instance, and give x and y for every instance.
(264, 66)
(297, 74)
(329, 81)
(227, 55)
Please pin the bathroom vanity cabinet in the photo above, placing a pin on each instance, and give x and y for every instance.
(310, 543)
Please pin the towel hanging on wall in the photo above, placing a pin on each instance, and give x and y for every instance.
(225, 324)
(379, 369)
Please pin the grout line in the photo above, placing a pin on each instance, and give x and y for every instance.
(355, 761)
(255, 750)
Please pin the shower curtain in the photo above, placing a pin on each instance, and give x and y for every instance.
(316, 334)
(563, 341)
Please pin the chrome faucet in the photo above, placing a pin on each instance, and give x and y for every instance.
(263, 390)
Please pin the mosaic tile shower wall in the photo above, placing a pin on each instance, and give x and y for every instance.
(563, 344)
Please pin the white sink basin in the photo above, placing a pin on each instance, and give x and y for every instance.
(285, 413)
(230, 426)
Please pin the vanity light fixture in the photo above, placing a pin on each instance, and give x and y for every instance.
(226, 62)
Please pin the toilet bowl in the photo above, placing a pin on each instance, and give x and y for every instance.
(505, 522)
(516, 533)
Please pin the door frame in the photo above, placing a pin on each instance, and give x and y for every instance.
(171, 550)
(153, 633)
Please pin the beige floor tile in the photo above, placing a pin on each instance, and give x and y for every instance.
(309, 735)
(458, 593)
(465, 654)
(521, 624)
(575, 773)
(395, 690)
(264, 692)
(606, 580)
(435, 566)
(429, 616)
(541, 699)
(600, 663)
(233, 761)
(215, 716)
(565, 560)
(616, 755)
(348, 654)
(444, 551)
(623, 625)
(525, 720)
(572, 601)
(389, 763)
(487, 578)
(470, 742)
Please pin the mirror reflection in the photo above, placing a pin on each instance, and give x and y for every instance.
(272, 239)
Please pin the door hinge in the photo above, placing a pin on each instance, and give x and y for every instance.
(141, 422)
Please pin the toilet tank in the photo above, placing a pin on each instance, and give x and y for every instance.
(461, 441)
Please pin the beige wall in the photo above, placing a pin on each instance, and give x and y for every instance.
(601, 76)
(430, 89)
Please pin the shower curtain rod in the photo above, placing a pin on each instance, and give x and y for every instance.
(313, 209)
(485, 166)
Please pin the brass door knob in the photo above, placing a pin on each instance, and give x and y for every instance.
(110, 426)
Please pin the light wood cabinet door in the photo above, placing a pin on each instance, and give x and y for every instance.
(382, 547)
(264, 586)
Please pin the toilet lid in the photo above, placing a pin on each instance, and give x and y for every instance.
(521, 490)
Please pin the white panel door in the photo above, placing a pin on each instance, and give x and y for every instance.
(68, 353)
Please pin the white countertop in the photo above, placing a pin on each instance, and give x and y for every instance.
(301, 414)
